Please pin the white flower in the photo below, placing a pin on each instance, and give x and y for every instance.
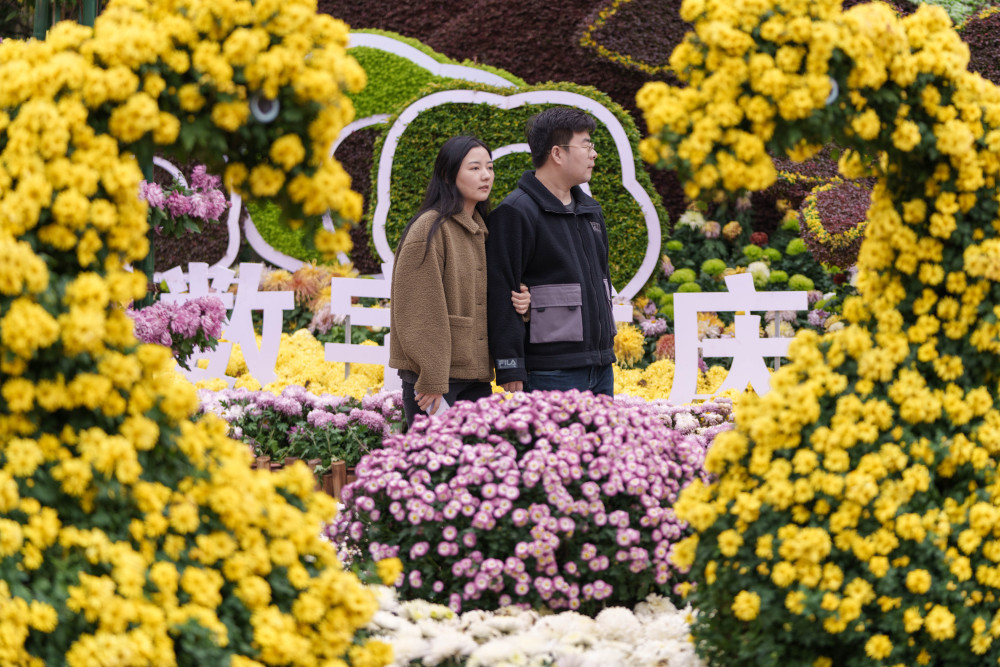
(666, 652)
(760, 272)
(606, 655)
(668, 626)
(387, 621)
(496, 652)
(384, 595)
(566, 623)
(234, 412)
(693, 219)
(685, 422)
(448, 644)
(510, 624)
(420, 609)
(406, 649)
(481, 631)
(618, 623)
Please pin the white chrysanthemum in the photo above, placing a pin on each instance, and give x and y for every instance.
(384, 595)
(384, 620)
(605, 655)
(511, 623)
(685, 422)
(498, 651)
(406, 649)
(481, 631)
(693, 219)
(417, 610)
(760, 272)
(566, 623)
(667, 652)
(618, 623)
(668, 626)
(448, 644)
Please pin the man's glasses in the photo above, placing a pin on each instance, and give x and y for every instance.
(586, 145)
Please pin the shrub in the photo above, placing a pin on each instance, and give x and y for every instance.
(131, 533)
(304, 425)
(553, 500)
(854, 518)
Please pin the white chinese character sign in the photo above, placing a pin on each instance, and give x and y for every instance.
(746, 348)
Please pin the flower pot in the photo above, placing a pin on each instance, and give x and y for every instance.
(338, 477)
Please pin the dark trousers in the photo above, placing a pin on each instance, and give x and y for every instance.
(598, 379)
(458, 390)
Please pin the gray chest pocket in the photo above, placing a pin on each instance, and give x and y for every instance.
(556, 314)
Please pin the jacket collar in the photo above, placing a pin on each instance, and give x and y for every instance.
(473, 223)
(548, 201)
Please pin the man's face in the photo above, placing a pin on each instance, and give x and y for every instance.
(578, 158)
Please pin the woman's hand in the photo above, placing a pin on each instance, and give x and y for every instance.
(521, 300)
(429, 402)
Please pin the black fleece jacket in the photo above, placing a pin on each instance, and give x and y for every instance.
(561, 253)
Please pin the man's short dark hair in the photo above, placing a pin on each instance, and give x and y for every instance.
(555, 127)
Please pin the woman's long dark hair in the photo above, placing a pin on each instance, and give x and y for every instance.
(443, 195)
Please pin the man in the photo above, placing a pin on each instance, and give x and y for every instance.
(550, 235)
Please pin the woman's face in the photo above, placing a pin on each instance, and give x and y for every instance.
(475, 176)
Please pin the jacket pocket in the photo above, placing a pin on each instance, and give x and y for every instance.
(462, 340)
(556, 314)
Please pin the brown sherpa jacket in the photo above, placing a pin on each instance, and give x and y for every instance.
(438, 303)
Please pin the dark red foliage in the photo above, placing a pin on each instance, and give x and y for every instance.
(645, 30)
(840, 208)
(759, 238)
(355, 154)
(209, 246)
(983, 38)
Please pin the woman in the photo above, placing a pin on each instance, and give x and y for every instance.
(438, 319)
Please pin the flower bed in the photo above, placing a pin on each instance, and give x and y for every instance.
(299, 424)
(423, 633)
(547, 499)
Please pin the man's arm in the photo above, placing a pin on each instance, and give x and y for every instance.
(507, 247)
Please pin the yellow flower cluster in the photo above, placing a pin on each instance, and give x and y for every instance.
(130, 533)
(655, 381)
(859, 494)
(628, 346)
(301, 361)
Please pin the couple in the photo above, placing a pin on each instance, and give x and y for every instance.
(455, 278)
